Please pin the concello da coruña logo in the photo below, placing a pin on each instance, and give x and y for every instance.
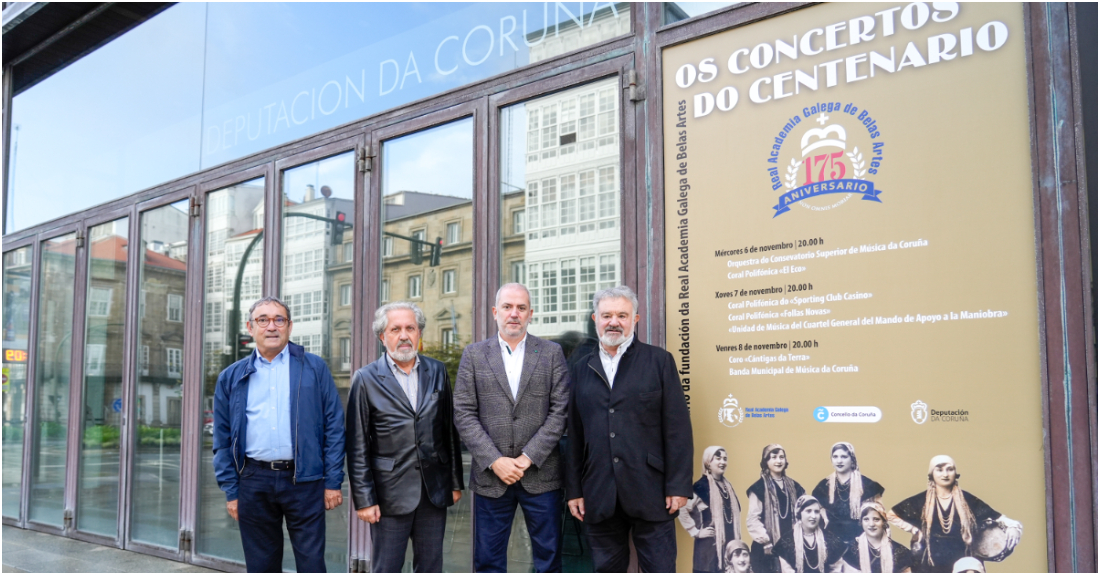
(824, 156)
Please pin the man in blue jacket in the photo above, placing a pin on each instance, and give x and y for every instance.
(279, 444)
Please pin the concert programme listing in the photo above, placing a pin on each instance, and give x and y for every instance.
(851, 290)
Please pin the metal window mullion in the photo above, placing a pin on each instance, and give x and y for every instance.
(76, 379)
(273, 224)
(30, 421)
(191, 408)
(134, 260)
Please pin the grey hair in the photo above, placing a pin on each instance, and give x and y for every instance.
(514, 285)
(266, 300)
(382, 318)
(615, 292)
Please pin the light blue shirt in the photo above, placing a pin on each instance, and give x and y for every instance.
(268, 409)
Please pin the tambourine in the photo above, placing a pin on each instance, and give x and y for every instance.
(991, 543)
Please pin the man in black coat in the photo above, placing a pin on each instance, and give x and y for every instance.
(404, 457)
(630, 447)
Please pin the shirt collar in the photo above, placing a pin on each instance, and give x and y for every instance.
(621, 349)
(508, 349)
(393, 365)
(281, 358)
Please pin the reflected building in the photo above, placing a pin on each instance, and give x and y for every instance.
(570, 213)
(414, 223)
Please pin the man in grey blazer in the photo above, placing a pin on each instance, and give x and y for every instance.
(510, 400)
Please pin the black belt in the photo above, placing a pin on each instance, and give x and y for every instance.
(273, 465)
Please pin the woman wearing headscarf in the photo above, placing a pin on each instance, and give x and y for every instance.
(771, 508)
(713, 515)
(807, 548)
(737, 557)
(844, 491)
(946, 521)
(873, 551)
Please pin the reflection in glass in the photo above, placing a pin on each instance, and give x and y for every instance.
(233, 282)
(97, 499)
(427, 239)
(155, 487)
(560, 196)
(133, 108)
(51, 396)
(318, 209)
(676, 11)
(17, 317)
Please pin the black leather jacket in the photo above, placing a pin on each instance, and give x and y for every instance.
(391, 449)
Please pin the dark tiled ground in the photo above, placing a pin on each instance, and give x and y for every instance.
(27, 551)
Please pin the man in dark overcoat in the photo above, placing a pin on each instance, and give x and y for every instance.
(630, 447)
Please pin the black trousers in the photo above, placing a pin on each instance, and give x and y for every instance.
(390, 538)
(264, 498)
(655, 542)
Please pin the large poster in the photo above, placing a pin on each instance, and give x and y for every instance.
(851, 290)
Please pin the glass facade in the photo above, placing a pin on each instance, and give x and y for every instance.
(203, 84)
(155, 491)
(57, 276)
(17, 331)
(97, 507)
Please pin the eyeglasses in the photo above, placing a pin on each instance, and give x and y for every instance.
(279, 320)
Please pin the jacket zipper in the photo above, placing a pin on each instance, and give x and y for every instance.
(298, 416)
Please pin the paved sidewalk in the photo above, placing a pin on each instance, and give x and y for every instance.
(27, 551)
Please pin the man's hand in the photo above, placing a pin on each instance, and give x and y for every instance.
(506, 470)
(674, 503)
(333, 499)
(523, 462)
(456, 495)
(576, 507)
(369, 514)
(231, 507)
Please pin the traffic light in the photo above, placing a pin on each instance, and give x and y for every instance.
(338, 229)
(437, 251)
(415, 255)
(243, 341)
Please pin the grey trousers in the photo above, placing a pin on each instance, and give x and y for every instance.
(390, 538)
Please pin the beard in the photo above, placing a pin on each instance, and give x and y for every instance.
(613, 338)
(403, 356)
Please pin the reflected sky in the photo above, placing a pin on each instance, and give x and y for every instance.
(203, 84)
(436, 161)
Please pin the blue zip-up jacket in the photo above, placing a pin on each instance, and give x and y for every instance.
(316, 419)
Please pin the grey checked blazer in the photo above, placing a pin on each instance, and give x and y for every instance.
(493, 425)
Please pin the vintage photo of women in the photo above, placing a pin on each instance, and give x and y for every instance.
(737, 557)
(948, 523)
(873, 551)
(713, 515)
(807, 548)
(771, 508)
(844, 491)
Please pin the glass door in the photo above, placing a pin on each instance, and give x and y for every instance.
(102, 406)
(159, 368)
(53, 374)
(429, 252)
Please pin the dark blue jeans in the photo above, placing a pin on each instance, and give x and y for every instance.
(264, 498)
(493, 524)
